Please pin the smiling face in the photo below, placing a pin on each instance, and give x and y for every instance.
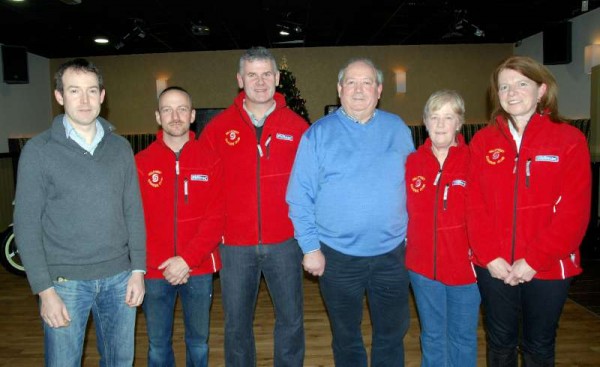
(81, 97)
(258, 78)
(442, 125)
(359, 91)
(518, 95)
(175, 114)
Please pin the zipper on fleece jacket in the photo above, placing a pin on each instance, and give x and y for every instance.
(438, 176)
(514, 226)
(175, 203)
(516, 192)
(177, 155)
(259, 155)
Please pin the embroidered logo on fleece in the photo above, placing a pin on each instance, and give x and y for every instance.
(199, 177)
(462, 183)
(495, 156)
(547, 158)
(232, 137)
(285, 137)
(417, 184)
(155, 178)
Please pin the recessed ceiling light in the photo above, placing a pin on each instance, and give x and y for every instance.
(101, 40)
(17, 1)
(283, 32)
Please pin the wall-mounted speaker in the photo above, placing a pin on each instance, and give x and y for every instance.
(14, 65)
(557, 44)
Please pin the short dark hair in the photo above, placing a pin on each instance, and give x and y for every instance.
(77, 65)
(177, 88)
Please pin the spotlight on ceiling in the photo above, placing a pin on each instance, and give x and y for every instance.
(199, 29)
(101, 40)
(287, 28)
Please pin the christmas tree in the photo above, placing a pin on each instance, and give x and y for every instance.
(287, 87)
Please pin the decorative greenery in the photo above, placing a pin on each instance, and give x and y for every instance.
(287, 87)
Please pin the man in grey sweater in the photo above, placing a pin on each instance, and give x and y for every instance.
(79, 225)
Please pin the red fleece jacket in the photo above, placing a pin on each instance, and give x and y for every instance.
(183, 205)
(437, 246)
(256, 171)
(532, 204)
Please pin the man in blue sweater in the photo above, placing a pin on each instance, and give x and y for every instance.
(79, 225)
(348, 206)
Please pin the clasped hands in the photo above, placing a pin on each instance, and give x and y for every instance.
(515, 274)
(175, 270)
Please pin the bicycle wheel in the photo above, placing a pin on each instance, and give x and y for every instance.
(10, 258)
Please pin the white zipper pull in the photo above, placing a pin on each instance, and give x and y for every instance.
(185, 190)
(260, 152)
(446, 196)
(437, 177)
(527, 172)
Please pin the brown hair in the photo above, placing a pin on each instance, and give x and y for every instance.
(535, 71)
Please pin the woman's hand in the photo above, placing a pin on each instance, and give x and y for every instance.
(499, 268)
(521, 273)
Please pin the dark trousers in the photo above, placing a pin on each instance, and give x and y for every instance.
(533, 308)
(384, 279)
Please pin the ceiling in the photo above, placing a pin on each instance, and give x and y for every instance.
(55, 29)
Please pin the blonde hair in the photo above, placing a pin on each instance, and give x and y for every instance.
(438, 99)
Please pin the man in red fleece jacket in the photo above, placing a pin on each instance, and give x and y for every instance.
(181, 185)
(257, 138)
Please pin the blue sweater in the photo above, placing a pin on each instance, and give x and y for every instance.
(347, 186)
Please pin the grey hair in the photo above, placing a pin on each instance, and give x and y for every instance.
(438, 99)
(364, 60)
(257, 53)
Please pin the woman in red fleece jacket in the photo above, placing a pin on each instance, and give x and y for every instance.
(528, 206)
(437, 251)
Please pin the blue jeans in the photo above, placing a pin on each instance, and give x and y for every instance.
(159, 308)
(114, 322)
(536, 305)
(343, 285)
(449, 317)
(240, 279)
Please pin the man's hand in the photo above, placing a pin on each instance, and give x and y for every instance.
(499, 268)
(53, 310)
(176, 270)
(314, 263)
(135, 290)
(521, 273)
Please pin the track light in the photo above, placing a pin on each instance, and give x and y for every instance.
(136, 33)
(462, 25)
(199, 29)
(287, 28)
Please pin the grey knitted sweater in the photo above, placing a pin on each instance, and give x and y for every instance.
(78, 216)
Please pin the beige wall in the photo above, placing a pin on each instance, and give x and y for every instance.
(210, 78)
